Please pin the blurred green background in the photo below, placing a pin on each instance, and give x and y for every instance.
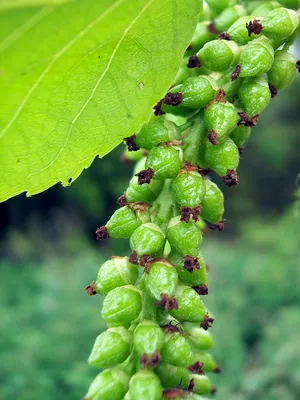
(49, 255)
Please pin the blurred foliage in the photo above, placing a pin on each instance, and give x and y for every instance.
(254, 294)
(48, 324)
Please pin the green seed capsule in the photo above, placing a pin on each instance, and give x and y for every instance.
(192, 272)
(221, 118)
(145, 192)
(184, 238)
(240, 134)
(199, 337)
(189, 188)
(263, 9)
(219, 5)
(148, 337)
(201, 36)
(202, 384)
(147, 239)
(223, 157)
(207, 359)
(177, 350)
(157, 131)
(172, 103)
(283, 71)
(256, 58)
(125, 221)
(165, 161)
(145, 385)
(213, 203)
(160, 277)
(190, 305)
(198, 91)
(280, 23)
(171, 376)
(239, 32)
(219, 55)
(121, 306)
(254, 95)
(111, 384)
(112, 347)
(228, 17)
(114, 273)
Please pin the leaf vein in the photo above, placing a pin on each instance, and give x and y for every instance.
(98, 83)
(55, 58)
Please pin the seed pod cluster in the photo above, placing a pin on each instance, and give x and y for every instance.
(158, 338)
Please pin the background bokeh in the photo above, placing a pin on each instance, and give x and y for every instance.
(49, 254)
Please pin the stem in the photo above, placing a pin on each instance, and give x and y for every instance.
(149, 308)
(193, 141)
(164, 206)
(185, 126)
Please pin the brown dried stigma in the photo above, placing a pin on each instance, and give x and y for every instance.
(102, 233)
(205, 171)
(212, 137)
(173, 99)
(217, 370)
(191, 385)
(191, 263)
(122, 200)
(231, 178)
(219, 225)
(224, 36)
(133, 258)
(167, 303)
(90, 289)
(241, 150)
(196, 368)
(194, 62)
(254, 27)
(170, 328)
(246, 120)
(211, 27)
(207, 322)
(201, 290)
(130, 143)
(187, 212)
(150, 361)
(144, 260)
(236, 72)
(273, 91)
(145, 176)
(157, 108)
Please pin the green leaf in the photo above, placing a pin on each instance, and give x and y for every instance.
(76, 78)
(7, 4)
